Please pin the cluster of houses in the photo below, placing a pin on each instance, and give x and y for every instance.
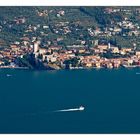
(9, 55)
(124, 28)
(86, 57)
(91, 57)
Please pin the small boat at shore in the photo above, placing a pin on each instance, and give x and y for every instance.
(8, 75)
(137, 73)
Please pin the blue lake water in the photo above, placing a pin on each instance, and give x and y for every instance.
(111, 99)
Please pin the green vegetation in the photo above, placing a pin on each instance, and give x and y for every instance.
(19, 22)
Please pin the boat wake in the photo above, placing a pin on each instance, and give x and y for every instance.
(81, 108)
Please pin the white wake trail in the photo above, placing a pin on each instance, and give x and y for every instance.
(81, 108)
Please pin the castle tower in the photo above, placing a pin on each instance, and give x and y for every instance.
(36, 47)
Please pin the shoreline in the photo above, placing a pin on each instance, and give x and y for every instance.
(80, 68)
(9, 67)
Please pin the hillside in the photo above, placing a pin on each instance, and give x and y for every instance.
(70, 25)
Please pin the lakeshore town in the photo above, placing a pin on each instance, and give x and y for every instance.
(30, 52)
(75, 57)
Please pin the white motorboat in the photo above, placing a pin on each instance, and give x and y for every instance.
(81, 108)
